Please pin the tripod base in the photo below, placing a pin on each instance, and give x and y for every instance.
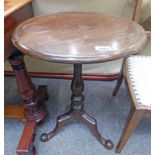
(73, 116)
(77, 112)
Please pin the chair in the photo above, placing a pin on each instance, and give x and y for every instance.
(136, 73)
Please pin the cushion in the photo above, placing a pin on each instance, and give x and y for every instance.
(122, 7)
(139, 68)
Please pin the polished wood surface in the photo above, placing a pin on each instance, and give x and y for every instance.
(15, 111)
(15, 12)
(25, 146)
(79, 37)
(13, 5)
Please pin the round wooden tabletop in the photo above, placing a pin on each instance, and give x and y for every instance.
(79, 37)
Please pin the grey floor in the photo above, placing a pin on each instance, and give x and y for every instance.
(110, 113)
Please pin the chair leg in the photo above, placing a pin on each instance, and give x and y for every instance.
(133, 119)
(118, 84)
(120, 79)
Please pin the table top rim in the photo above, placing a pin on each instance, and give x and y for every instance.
(82, 60)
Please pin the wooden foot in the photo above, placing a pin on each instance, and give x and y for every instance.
(92, 125)
(25, 146)
(33, 110)
(14, 111)
(60, 123)
(74, 116)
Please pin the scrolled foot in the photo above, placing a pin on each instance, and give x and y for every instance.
(44, 137)
(92, 125)
(108, 144)
(62, 121)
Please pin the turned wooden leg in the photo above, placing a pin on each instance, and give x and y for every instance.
(133, 119)
(34, 110)
(77, 114)
(120, 79)
(27, 91)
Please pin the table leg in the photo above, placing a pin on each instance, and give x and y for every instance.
(34, 109)
(77, 112)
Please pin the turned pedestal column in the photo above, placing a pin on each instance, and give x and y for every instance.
(77, 113)
(33, 108)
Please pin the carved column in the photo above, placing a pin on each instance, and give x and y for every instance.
(77, 88)
(35, 111)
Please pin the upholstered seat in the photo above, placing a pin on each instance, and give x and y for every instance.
(139, 68)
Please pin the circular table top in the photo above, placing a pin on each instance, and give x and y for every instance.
(79, 37)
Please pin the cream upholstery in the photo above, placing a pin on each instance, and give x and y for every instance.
(122, 7)
(139, 68)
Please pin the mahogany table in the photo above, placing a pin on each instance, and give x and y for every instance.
(32, 111)
(78, 38)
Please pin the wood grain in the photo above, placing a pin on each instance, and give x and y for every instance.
(79, 37)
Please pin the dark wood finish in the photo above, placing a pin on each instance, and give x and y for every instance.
(108, 77)
(34, 109)
(18, 3)
(136, 112)
(79, 37)
(77, 112)
(119, 80)
(25, 146)
(15, 12)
